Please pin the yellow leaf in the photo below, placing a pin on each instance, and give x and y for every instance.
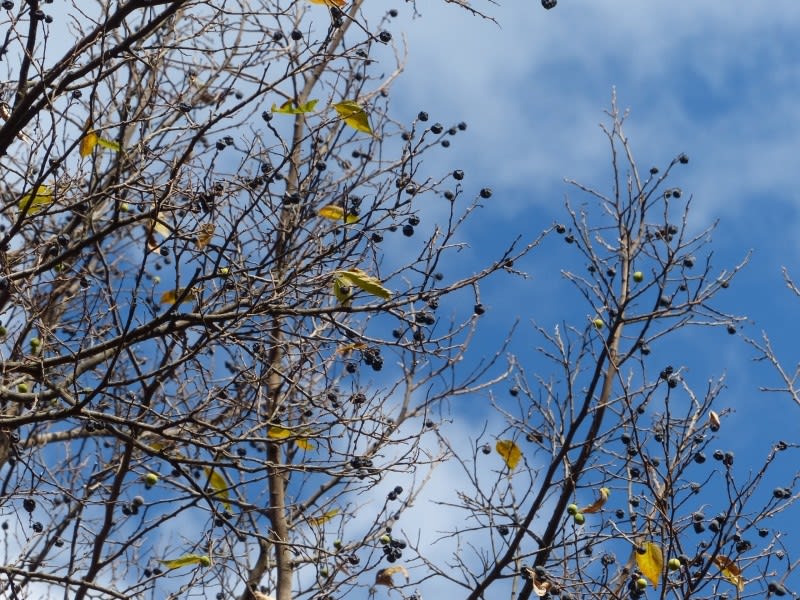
(317, 521)
(650, 562)
(88, 142)
(171, 296)
(304, 444)
(730, 571)
(188, 559)
(368, 283)
(109, 144)
(384, 576)
(353, 115)
(278, 433)
(33, 203)
(336, 3)
(332, 212)
(599, 503)
(217, 482)
(288, 108)
(204, 235)
(335, 212)
(510, 452)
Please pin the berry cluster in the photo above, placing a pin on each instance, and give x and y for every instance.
(392, 549)
(372, 358)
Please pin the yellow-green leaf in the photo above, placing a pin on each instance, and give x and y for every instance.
(343, 289)
(510, 453)
(219, 485)
(730, 571)
(278, 433)
(33, 203)
(288, 108)
(353, 115)
(317, 521)
(597, 504)
(368, 283)
(650, 562)
(88, 142)
(109, 144)
(186, 560)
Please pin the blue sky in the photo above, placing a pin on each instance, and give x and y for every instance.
(719, 81)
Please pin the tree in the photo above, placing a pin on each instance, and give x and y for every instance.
(609, 484)
(219, 299)
(229, 334)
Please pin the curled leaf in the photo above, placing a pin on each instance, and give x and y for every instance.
(368, 283)
(317, 521)
(35, 202)
(186, 560)
(384, 576)
(650, 562)
(219, 485)
(730, 571)
(337, 3)
(353, 115)
(289, 108)
(599, 503)
(510, 453)
(204, 235)
(160, 226)
(346, 349)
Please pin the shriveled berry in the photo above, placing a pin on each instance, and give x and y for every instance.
(385, 37)
(458, 174)
(486, 193)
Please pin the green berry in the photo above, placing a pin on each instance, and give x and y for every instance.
(641, 583)
(638, 276)
(579, 518)
(572, 509)
(674, 564)
(150, 479)
(598, 323)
